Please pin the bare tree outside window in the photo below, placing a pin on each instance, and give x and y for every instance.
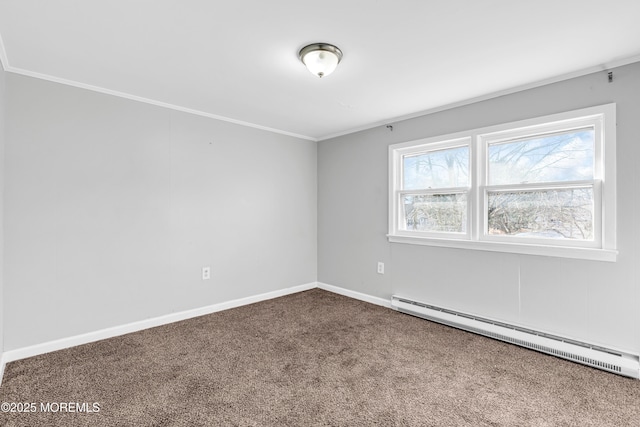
(446, 168)
(436, 170)
(558, 213)
(540, 186)
(438, 212)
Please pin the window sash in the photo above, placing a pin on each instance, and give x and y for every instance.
(492, 167)
(401, 227)
(438, 148)
(594, 185)
(603, 187)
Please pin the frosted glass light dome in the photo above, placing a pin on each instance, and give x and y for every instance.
(321, 59)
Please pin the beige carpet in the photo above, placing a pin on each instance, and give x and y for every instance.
(313, 359)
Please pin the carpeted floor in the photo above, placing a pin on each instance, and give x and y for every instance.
(312, 359)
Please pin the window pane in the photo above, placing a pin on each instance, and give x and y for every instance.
(436, 212)
(560, 157)
(447, 168)
(554, 214)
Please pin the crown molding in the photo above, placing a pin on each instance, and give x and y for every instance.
(152, 102)
(8, 68)
(585, 71)
(579, 73)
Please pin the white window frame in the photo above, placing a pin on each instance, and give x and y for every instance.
(601, 248)
(424, 146)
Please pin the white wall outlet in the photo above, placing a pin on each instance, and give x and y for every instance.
(381, 268)
(206, 273)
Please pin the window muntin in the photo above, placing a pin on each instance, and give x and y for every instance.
(543, 186)
(433, 189)
(540, 186)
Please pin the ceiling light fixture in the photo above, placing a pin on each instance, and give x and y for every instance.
(320, 58)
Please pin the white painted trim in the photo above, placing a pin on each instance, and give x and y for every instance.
(125, 95)
(606, 255)
(602, 248)
(34, 350)
(355, 295)
(579, 73)
(3, 55)
(3, 362)
(60, 344)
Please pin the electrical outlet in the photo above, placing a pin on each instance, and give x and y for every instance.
(381, 268)
(206, 273)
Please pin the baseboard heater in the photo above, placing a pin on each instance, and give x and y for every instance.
(598, 357)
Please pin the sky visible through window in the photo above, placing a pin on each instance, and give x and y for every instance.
(559, 214)
(448, 168)
(568, 156)
(560, 157)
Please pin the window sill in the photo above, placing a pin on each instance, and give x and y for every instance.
(607, 255)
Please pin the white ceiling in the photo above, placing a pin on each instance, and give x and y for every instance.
(237, 60)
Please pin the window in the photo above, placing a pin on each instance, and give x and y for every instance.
(434, 197)
(544, 186)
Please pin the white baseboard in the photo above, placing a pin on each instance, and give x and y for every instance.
(2, 365)
(355, 295)
(60, 344)
(34, 350)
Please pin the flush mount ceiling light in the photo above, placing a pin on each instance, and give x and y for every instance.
(320, 58)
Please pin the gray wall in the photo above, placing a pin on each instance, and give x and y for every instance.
(592, 301)
(112, 207)
(2, 133)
